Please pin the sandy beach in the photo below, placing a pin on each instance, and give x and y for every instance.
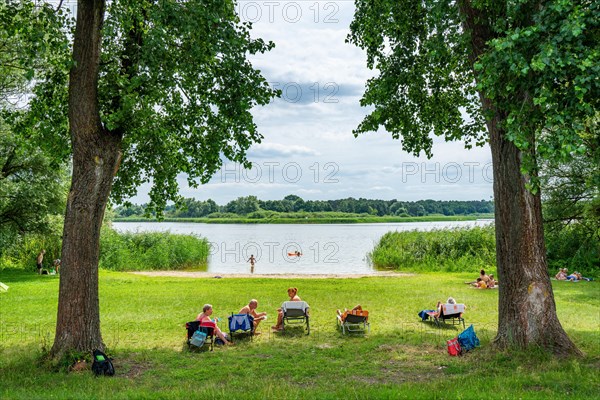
(199, 274)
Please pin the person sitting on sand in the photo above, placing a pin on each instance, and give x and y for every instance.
(251, 309)
(204, 316)
(480, 284)
(293, 294)
(357, 310)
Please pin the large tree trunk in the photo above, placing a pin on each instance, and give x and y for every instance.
(96, 155)
(527, 312)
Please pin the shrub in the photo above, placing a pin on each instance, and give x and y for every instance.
(151, 251)
(459, 249)
(118, 251)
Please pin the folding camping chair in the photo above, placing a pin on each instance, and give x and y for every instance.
(452, 312)
(354, 321)
(240, 323)
(295, 313)
(206, 327)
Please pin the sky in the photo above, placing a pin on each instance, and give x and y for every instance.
(308, 147)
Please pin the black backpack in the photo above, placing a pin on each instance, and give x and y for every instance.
(102, 364)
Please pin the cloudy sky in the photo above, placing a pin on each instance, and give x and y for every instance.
(308, 146)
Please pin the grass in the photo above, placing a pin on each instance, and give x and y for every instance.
(317, 218)
(143, 317)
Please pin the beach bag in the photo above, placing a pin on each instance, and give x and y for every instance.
(424, 315)
(198, 339)
(220, 342)
(454, 347)
(468, 339)
(102, 364)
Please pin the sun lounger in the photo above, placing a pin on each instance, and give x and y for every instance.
(354, 321)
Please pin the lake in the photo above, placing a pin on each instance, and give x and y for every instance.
(324, 248)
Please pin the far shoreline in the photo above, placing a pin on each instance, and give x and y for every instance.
(322, 220)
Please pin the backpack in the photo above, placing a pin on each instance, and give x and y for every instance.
(454, 347)
(102, 364)
(198, 339)
(468, 339)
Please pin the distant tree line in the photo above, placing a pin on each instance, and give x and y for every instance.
(192, 208)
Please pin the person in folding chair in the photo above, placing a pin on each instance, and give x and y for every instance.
(251, 310)
(204, 318)
(293, 295)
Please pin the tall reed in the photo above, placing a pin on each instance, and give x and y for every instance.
(458, 249)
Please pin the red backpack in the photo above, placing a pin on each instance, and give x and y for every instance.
(453, 347)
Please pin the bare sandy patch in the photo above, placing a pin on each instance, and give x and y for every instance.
(198, 274)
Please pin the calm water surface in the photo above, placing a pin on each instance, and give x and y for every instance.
(325, 248)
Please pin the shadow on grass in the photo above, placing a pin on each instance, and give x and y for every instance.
(293, 331)
(8, 276)
(240, 337)
(443, 326)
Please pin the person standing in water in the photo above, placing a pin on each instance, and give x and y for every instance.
(252, 261)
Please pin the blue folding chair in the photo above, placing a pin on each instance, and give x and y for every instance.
(241, 323)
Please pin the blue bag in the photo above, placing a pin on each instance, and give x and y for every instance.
(424, 314)
(468, 339)
(198, 339)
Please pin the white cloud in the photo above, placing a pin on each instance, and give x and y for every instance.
(264, 150)
(312, 126)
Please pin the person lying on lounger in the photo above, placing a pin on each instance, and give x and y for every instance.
(355, 311)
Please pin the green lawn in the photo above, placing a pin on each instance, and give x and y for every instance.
(143, 317)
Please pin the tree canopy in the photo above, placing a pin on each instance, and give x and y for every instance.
(542, 68)
(32, 178)
(176, 83)
(192, 208)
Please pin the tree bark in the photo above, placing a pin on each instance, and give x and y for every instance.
(96, 157)
(526, 308)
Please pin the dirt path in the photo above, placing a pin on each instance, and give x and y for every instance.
(197, 274)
